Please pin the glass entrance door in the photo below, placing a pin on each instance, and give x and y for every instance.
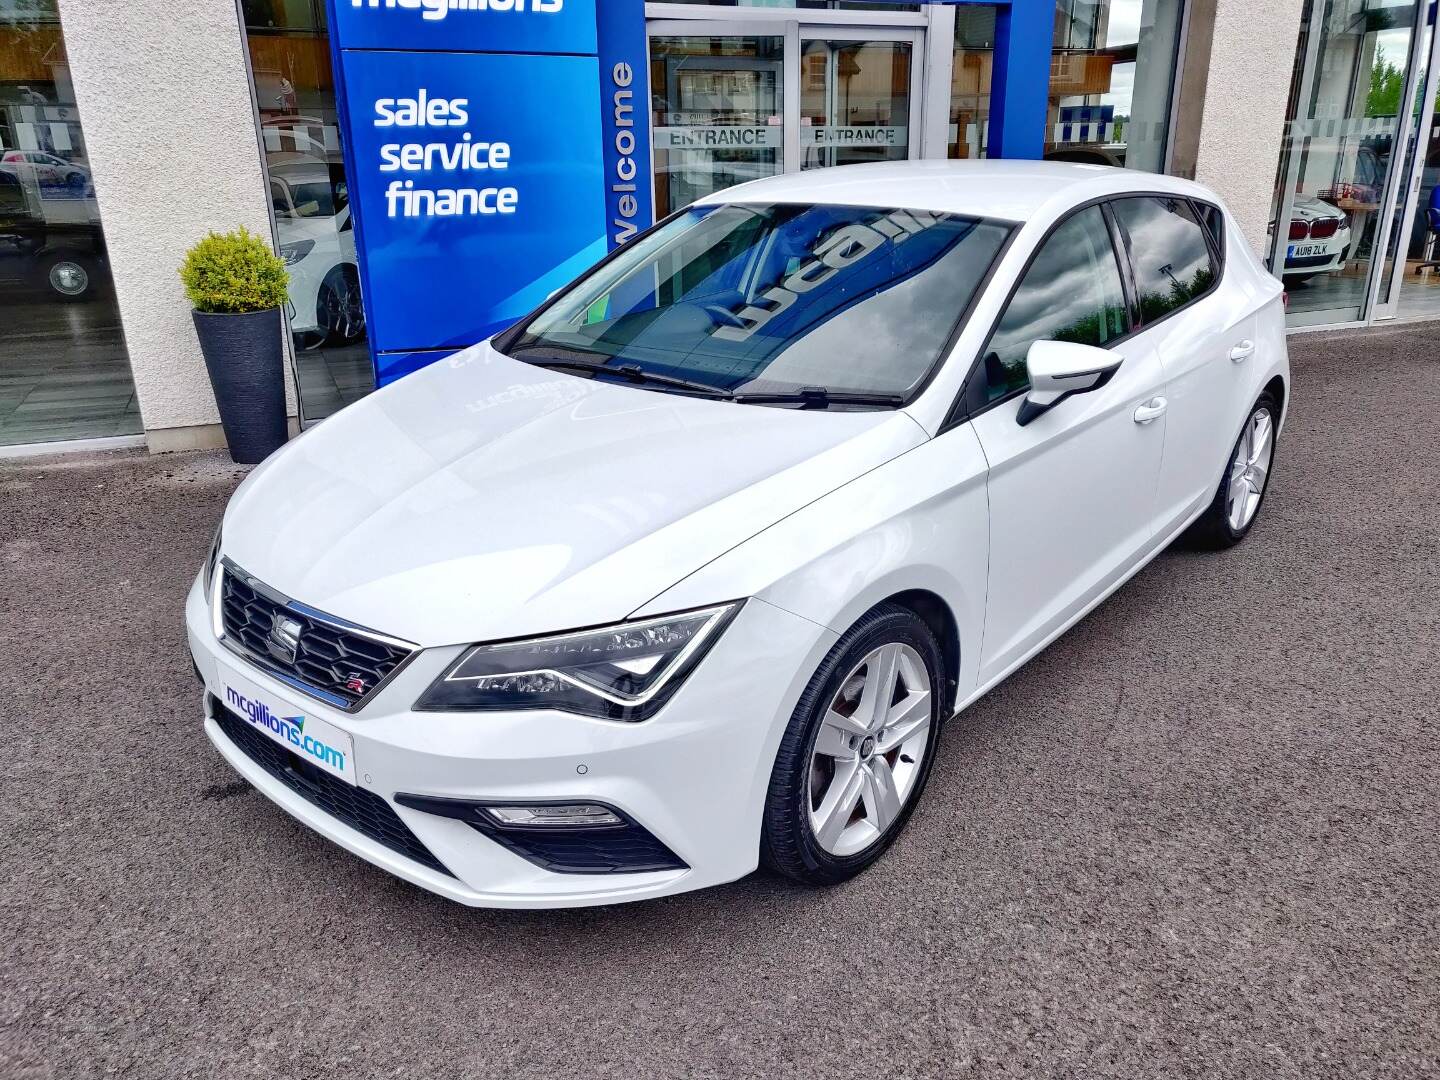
(855, 98)
(1342, 167)
(1419, 290)
(1411, 287)
(717, 114)
(737, 100)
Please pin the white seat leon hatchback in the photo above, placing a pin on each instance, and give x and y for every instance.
(684, 572)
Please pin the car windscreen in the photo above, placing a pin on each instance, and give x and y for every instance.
(762, 299)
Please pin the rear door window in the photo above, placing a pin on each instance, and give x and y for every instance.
(1168, 252)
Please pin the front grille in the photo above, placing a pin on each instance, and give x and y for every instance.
(345, 666)
(364, 811)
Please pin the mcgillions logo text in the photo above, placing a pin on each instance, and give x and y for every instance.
(438, 9)
(289, 728)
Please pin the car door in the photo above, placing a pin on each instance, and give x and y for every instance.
(1071, 494)
(1204, 329)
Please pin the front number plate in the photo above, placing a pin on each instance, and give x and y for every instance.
(1305, 251)
(311, 739)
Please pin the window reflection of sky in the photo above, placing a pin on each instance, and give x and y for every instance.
(1073, 278)
(770, 299)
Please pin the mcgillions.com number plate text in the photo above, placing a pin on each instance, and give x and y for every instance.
(312, 739)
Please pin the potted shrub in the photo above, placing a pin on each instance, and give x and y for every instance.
(238, 285)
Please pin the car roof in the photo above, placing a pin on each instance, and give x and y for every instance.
(1006, 190)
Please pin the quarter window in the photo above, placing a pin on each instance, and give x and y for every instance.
(1168, 253)
(1214, 225)
(1070, 292)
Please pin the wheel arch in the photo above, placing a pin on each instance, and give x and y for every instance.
(1276, 388)
(935, 613)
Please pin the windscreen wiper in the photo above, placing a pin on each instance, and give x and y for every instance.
(631, 373)
(818, 397)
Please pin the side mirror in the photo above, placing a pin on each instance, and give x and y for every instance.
(1060, 368)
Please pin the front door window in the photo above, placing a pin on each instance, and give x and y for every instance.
(1071, 292)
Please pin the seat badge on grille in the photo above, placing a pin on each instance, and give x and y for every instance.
(355, 683)
(283, 641)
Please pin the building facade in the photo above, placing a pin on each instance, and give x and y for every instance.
(129, 131)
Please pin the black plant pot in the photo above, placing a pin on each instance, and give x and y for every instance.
(245, 358)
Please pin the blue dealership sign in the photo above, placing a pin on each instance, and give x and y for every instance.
(495, 149)
(465, 26)
(484, 171)
(474, 203)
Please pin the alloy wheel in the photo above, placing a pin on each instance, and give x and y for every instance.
(869, 749)
(1250, 469)
(342, 312)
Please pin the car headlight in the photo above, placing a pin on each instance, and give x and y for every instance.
(296, 250)
(213, 558)
(622, 672)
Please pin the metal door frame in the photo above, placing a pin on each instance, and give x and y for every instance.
(1387, 309)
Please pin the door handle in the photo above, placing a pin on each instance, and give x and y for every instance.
(1242, 351)
(1151, 411)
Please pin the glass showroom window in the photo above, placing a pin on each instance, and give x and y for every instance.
(295, 96)
(64, 372)
(1111, 80)
(1337, 163)
(970, 81)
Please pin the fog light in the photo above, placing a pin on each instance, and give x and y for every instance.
(573, 815)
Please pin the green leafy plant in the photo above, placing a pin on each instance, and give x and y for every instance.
(234, 273)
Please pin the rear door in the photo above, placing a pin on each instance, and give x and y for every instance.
(1204, 328)
(1072, 494)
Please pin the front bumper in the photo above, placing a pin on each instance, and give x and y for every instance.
(694, 776)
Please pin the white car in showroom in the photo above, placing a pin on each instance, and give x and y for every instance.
(685, 572)
(317, 241)
(1318, 239)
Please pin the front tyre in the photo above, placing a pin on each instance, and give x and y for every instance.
(858, 751)
(1242, 488)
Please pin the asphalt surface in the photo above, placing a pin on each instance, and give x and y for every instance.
(1196, 837)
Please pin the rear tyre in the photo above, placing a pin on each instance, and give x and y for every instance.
(1237, 501)
(858, 750)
